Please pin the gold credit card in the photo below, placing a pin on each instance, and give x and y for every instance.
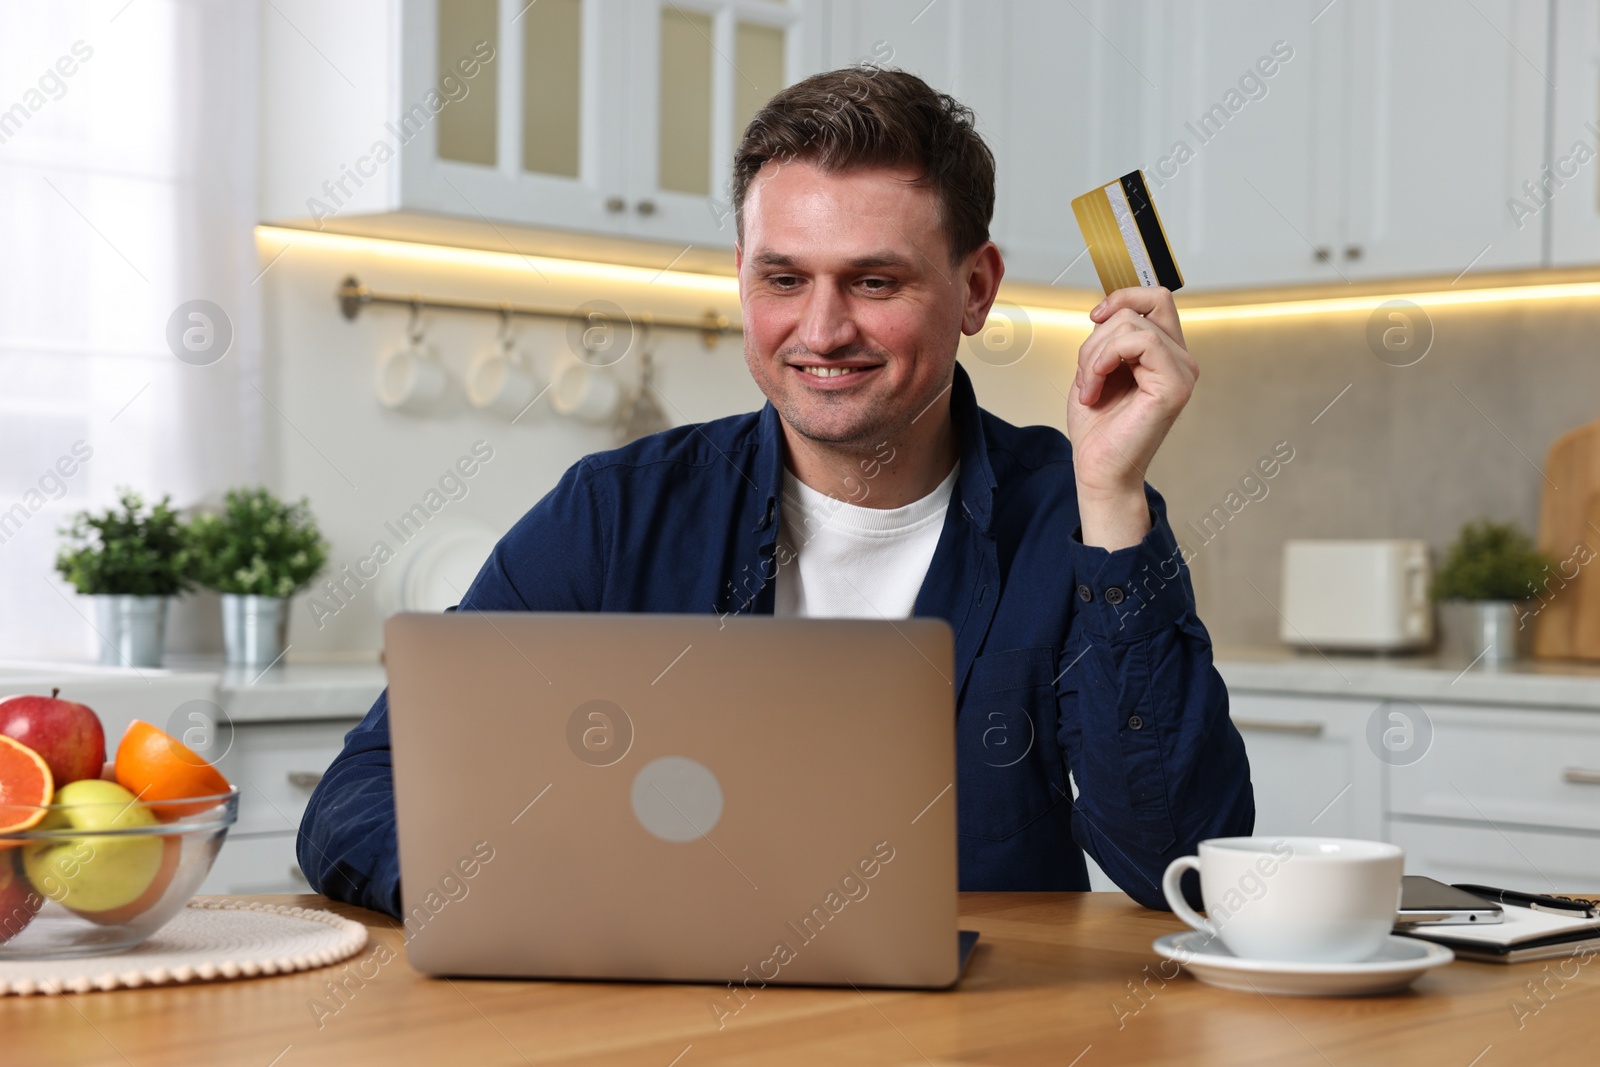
(1124, 234)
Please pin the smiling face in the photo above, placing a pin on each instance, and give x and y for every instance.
(852, 311)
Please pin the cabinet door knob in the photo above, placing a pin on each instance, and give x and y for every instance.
(645, 207)
(1352, 251)
(305, 779)
(1580, 776)
(296, 874)
(1323, 254)
(615, 204)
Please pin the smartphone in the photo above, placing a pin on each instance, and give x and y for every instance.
(1425, 901)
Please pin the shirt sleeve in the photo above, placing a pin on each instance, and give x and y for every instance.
(1145, 727)
(552, 560)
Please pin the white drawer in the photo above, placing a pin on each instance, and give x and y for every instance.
(276, 766)
(1310, 765)
(1505, 766)
(1528, 860)
(262, 864)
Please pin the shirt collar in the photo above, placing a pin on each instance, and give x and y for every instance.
(974, 488)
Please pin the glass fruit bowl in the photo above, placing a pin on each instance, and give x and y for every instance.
(93, 878)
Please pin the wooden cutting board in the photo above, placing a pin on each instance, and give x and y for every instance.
(1568, 622)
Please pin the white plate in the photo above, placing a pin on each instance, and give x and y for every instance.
(1396, 965)
(443, 566)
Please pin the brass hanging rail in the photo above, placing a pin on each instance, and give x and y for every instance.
(352, 295)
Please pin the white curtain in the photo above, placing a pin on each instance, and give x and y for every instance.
(127, 188)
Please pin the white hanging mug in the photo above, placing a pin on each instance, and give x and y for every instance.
(584, 392)
(410, 379)
(499, 383)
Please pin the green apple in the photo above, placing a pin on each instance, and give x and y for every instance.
(97, 871)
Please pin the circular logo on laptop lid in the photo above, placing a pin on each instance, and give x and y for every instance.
(677, 798)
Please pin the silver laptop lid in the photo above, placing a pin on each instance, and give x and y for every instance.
(676, 797)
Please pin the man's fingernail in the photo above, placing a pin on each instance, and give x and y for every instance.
(1098, 308)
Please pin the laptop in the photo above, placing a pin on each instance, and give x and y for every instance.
(692, 798)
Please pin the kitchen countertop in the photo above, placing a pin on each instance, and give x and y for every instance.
(300, 691)
(286, 692)
(1528, 683)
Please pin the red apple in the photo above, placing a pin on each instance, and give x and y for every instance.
(69, 736)
(18, 901)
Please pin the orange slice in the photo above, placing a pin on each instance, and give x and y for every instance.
(155, 766)
(25, 786)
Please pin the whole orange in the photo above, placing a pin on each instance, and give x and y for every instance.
(155, 766)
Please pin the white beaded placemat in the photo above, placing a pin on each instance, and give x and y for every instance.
(209, 939)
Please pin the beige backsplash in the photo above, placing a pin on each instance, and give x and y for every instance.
(1405, 452)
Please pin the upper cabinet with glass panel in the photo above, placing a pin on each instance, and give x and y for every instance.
(609, 116)
(700, 70)
(526, 108)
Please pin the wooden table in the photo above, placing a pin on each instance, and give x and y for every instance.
(1058, 978)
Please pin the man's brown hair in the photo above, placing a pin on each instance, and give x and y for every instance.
(869, 116)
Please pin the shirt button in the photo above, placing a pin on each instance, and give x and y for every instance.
(1114, 595)
(1084, 594)
(1135, 722)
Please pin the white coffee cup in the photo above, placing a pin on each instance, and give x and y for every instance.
(1305, 899)
(498, 383)
(584, 392)
(410, 379)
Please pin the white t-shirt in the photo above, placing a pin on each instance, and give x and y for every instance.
(847, 561)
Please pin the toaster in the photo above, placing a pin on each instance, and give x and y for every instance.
(1356, 595)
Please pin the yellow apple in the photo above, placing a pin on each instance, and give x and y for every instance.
(94, 872)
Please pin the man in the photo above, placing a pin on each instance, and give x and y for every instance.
(871, 484)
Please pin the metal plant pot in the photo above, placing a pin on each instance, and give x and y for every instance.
(1489, 632)
(255, 629)
(133, 629)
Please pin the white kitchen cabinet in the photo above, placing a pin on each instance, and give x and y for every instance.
(275, 765)
(1564, 203)
(536, 137)
(700, 71)
(1530, 860)
(1445, 119)
(1234, 137)
(1505, 791)
(1310, 765)
(615, 117)
(1055, 96)
(263, 863)
(1505, 767)
(1284, 143)
(1052, 96)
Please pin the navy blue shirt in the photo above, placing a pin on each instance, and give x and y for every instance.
(1069, 659)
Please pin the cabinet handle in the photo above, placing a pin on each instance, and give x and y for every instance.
(305, 779)
(1267, 726)
(645, 207)
(1352, 251)
(615, 204)
(1580, 776)
(1323, 254)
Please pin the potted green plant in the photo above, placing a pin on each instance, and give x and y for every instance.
(257, 553)
(131, 561)
(1489, 573)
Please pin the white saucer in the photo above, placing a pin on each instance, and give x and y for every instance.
(1396, 965)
